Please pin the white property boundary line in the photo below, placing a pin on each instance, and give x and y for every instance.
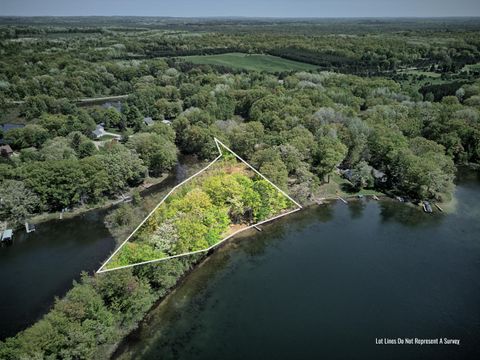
(217, 143)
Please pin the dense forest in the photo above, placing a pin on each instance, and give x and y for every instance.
(399, 98)
(225, 198)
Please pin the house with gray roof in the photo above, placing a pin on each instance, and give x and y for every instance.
(117, 105)
(148, 121)
(98, 132)
(6, 151)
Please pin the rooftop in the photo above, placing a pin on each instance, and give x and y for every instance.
(6, 149)
(7, 234)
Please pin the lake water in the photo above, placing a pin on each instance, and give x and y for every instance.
(325, 283)
(41, 265)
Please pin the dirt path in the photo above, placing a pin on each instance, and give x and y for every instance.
(85, 100)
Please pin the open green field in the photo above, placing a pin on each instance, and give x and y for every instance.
(420, 72)
(258, 62)
(473, 67)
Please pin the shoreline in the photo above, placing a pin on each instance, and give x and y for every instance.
(122, 345)
(201, 261)
(109, 203)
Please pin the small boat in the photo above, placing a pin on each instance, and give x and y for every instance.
(7, 235)
(399, 198)
(427, 207)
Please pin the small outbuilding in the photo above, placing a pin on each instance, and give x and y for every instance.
(6, 151)
(348, 174)
(379, 176)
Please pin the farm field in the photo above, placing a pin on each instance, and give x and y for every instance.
(258, 62)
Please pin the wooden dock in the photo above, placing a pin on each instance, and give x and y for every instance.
(438, 207)
(257, 228)
(375, 197)
(343, 200)
(29, 227)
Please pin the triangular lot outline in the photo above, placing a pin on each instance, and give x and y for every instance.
(221, 149)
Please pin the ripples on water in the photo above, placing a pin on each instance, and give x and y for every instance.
(327, 281)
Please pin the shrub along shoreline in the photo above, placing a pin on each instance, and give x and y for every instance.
(202, 212)
(95, 316)
(98, 312)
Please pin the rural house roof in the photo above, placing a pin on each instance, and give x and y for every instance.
(377, 174)
(99, 131)
(117, 105)
(6, 150)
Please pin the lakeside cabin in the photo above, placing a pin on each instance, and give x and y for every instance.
(379, 176)
(117, 105)
(148, 121)
(7, 235)
(6, 151)
(98, 132)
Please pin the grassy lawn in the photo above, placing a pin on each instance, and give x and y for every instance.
(472, 67)
(12, 116)
(339, 186)
(420, 72)
(106, 137)
(257, 62)
(113, 131)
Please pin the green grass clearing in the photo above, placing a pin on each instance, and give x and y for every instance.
(339, 186)
(258, 62)
(472, 67)
(106, 137)
(430, 74)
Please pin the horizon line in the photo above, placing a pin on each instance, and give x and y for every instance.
(254, 17)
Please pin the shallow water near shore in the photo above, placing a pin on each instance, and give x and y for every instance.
(327, 282)
(42, 265)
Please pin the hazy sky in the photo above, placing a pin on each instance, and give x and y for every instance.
(270, 8)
